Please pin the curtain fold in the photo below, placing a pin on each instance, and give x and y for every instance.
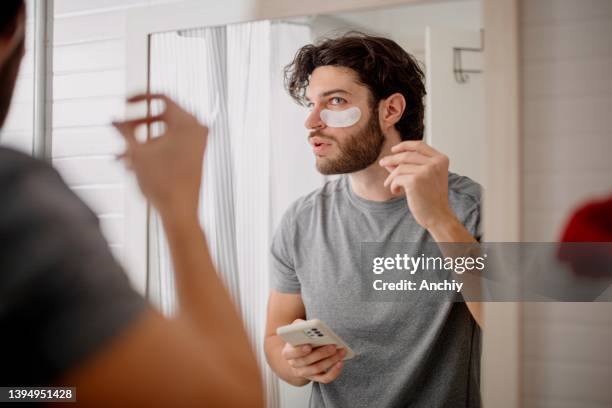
(249, 73)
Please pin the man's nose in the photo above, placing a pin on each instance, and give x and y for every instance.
(313, 120)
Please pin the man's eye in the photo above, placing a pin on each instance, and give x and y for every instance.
(309, 105)
(336, 100)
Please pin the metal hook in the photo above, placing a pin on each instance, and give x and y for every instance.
(461, 75)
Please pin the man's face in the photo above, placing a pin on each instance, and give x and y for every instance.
(342, 149)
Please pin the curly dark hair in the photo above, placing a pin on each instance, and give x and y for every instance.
(381, 65)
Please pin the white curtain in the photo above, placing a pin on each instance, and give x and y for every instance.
(190, 66)
(249, 117)
(228, 76)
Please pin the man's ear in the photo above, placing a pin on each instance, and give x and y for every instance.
(13, 37)
(391, 109)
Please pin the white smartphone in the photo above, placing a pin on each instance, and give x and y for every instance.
(313, 332)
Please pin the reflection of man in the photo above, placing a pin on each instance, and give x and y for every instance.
(366, 100)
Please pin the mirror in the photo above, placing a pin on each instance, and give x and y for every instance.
(258, 160)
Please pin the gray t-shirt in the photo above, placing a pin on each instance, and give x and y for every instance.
(421, 352)
(63, 297)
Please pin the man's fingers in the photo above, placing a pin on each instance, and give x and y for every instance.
(148, 97)
(412, 157)
(169, 105)
(317, 355)
(400, 170)
(330, 375)
(127, 160)
(172, 114)
(122, 156)
(290, 353)
(398, 183)
(127, 128)
(128, 133)
(141, 121)
(322, 366)
(416, 146)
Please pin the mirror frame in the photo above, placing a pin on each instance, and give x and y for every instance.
(502, 359)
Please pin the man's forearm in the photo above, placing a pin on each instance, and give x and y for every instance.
(204, 301)
(202, 296)
(450, 230)
(273, 346)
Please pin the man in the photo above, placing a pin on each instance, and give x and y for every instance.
(365, 95)
(68, 316)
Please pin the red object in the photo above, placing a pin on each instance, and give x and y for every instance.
(590, 223)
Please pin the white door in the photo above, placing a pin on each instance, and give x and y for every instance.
(454, 122)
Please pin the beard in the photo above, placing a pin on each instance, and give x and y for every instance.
(358, 151)
(8, 77)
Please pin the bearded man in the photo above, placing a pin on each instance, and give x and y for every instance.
(365, 96)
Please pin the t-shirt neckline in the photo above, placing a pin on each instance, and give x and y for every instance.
(388, 205)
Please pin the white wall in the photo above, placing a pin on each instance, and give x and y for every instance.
(406, 24)
(88, 92)
(455, 112)
(567, 140)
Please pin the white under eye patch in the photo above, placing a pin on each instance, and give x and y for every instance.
(340, 119)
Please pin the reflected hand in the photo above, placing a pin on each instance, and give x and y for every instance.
(422, 172)
(168, 167)
(322, 364)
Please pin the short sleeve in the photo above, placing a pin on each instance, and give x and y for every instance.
(283, 277)
(465, 198)
(473, 221)
(63, 297)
